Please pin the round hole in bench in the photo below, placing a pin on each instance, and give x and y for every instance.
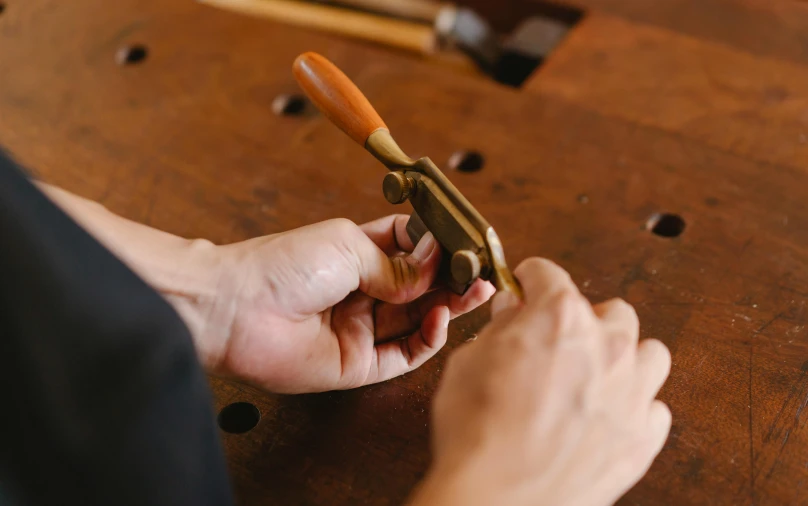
(289, 105)
(131, 55)
(666, 225)
(466, 161)
(238, 417)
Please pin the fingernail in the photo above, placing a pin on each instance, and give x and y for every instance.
(424, 248)
(502, 301)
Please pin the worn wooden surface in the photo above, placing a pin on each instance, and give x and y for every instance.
(692, 107)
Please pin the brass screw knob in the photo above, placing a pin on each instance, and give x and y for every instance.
(397, 187)
(465, 266)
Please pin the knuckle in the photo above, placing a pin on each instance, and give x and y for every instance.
(342, 226)
(530, 264)
(656, 352)
(348, 239)
(621, 305)
(620, 350)
(517, 344)
(667, 421)
(630, 312)
(621, 309)
(665, 414)
(536, 265)
(659, 424)
(567, 303)
(568, 309)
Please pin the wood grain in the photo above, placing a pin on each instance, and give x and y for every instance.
(709, 92)
(337, 96)
(186, 141)
(771, 28)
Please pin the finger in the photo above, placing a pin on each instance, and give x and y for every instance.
(553, 306)
(396, 279)
(503, 301)
(659, 426)
(655, 433)
(390, 234)
(398, 357)
(621, 326)
(542, 279)
(396, 320)
(653, 367)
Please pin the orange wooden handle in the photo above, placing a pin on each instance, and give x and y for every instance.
(337, 96)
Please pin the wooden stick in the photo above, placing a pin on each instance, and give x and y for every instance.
(406, 35)
(421, 10)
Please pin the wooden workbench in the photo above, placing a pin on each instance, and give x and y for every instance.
(698, 108)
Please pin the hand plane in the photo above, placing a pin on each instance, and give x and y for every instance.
(471, 247)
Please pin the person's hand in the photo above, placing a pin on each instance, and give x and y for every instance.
(554, 403)
(327, 306)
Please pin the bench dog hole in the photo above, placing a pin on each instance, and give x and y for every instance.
(238, 418)
(466, 161)
(131, 55)
(666, 225)
(289, 105)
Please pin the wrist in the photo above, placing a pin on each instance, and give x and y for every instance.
(452, 488)
(189, 274)
(185, 272)
(475, 480)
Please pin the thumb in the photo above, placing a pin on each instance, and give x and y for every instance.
(398, 279)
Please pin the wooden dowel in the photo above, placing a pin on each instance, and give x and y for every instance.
(421, 10)
(406, 35)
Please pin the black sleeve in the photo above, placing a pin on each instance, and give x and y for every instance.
(103, 399)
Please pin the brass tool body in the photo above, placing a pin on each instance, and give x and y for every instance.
(472, 246)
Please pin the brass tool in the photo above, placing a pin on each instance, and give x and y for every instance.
(474, 250)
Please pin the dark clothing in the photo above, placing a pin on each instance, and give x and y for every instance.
(103, 399)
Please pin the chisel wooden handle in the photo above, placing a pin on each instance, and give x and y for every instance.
(337, 96)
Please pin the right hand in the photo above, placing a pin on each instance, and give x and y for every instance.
(553, 404)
